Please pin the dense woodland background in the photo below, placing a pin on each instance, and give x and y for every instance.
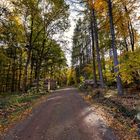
(28, 51)
(105, 43)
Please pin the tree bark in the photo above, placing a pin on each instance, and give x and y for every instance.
(31, 73)
(93, 51)
(26, 71)
(40, 62)
(95, 29)
(28, 57)
(20, 71)
(125, 43)
(114, 48)
(13, 72)
(131, 35)
(7, 77)
(130, 30)
(103, 63)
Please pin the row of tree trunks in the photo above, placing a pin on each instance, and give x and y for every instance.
(95, 43)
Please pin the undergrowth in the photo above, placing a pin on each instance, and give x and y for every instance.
(121, 117)
(15, 106)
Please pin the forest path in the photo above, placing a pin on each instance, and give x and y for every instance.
(64, 116)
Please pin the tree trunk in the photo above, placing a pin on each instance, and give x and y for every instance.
(103, 63)
(13, 72)
(115, 55)
(93, 51)
(26, 71)
(131, 35)
(40, 62)
(20, 71)
(125, 43)
(31, 73)
(95, 29)
(131, 30)
(13, 78)
(7, 77)
(28, 57)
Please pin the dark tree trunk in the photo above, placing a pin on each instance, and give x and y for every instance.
(28, 57)
(95, 29)
(26, 71)
(131, 35)
(103, 63)
(16, 81)
(13, 71)
(115, 55)
(31, 73)
(125, 40)
(111, 58)
(38, 74)
(125, 43)
(7, 77)
(40, 62)
(20, 71)
(35, 69)
(93, 51)
(131, 30)
(13, 78)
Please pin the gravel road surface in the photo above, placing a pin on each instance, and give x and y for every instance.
(63, 116)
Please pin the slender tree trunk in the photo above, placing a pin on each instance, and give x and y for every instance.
(26, 71)
(35, 69)
(13, 72)
(40, 62)
(28, 57)
(103, 62)
(31, 73)
(116, 62)
(93, 52)
(131, 35)
(131, 31)
(7, 77)
(125, 40)
(111, 58)
(38, 74)
(125, 43)
(95, 29)
(20, 71)
(13, 78)
(16, 81)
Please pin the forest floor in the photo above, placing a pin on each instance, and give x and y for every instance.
(64, 115)
(120, 112)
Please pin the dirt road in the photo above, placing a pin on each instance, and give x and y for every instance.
(64, 116)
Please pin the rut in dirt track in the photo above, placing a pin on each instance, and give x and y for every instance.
(64, 116)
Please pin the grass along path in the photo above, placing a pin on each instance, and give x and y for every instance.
(15, 107)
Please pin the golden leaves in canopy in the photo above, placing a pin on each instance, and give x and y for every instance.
(98, 5)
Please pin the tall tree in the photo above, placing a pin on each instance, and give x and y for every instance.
(116, 62)
(93, 48)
